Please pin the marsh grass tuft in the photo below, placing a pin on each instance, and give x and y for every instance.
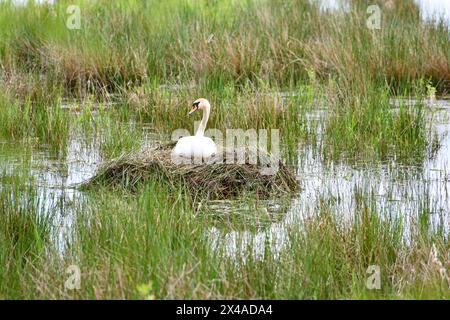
(368, 126)
(25, 231)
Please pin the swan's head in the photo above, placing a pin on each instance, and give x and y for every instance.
(201, 104)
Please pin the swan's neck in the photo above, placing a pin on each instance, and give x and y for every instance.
(202, 126)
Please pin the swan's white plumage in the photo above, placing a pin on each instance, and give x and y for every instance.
(198, 145)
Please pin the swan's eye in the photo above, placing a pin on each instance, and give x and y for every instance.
(195, 104)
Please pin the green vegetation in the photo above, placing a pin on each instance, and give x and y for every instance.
(370, 127)
(128, 77)
(123, 44)
(122, 241)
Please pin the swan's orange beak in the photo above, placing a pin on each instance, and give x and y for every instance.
(193, 109)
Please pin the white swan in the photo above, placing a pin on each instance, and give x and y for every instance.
(197, 146)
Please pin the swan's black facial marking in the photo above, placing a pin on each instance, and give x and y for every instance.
(195, 107)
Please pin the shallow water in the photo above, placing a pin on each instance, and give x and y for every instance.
(398, 191)
(394, 189)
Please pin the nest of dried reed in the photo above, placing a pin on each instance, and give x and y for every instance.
(217, 180)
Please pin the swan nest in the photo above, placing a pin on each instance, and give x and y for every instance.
(213, 181)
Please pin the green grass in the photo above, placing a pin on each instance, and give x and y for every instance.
(122, 241)
(39, 122)
(26, 232)
(369, 127)
(197, 44)
(139, 63)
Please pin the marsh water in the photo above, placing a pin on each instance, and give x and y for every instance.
(394, 189)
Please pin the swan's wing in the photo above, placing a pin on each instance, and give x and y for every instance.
(183, 146)
(209, 147)
(195, 146)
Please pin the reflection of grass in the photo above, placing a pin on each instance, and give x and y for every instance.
(246, 214)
